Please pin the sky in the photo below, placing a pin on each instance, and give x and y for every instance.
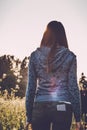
(23, 22)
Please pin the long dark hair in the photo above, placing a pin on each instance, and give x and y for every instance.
(54, 36)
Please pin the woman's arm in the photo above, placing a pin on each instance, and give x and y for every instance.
(31, 87)
(74, 90)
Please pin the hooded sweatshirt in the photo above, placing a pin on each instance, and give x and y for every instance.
(59, 85)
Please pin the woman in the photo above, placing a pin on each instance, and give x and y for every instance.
(52, 94)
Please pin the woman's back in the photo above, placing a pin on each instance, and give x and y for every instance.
(52, 82)
(52, 86)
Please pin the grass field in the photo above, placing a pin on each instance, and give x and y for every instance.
(12, 114)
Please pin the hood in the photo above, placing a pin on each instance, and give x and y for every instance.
(61, 54)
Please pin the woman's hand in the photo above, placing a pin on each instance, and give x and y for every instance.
(27, 126)
(78, 126)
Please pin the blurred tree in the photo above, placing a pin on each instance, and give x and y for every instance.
(24, 73)
(13, 74)
(5, 64)
(8, 82)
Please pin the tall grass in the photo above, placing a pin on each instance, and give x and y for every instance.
(12, 114)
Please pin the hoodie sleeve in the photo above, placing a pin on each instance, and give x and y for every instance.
(74, 90)
(30, 90)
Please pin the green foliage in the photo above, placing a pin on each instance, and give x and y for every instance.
(5, 64)
(13, 74)
(21, 92)
(9, 82)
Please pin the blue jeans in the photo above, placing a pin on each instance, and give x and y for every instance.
(51, 116)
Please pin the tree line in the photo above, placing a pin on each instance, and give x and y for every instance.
(13, 75)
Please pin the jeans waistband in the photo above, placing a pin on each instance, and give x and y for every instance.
(53, 102)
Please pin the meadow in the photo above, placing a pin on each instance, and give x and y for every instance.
(12, 114)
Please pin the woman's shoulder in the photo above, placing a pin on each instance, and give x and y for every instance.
(32, 56)
(71, 53)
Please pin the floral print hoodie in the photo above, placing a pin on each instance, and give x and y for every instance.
(59, 85)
